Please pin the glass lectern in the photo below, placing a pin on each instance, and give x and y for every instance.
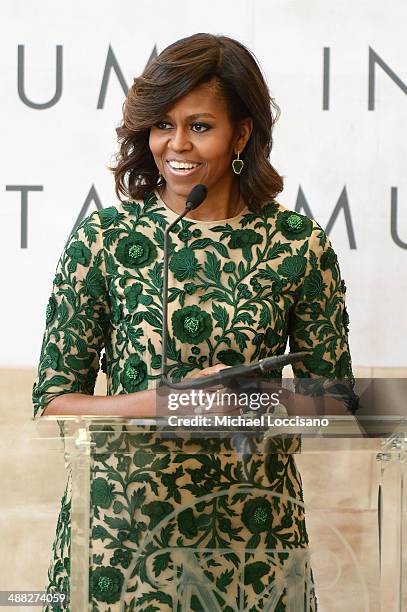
(356, 518)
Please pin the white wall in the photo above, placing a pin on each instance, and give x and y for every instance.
(65, 149)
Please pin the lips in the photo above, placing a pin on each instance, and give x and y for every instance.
(181, 171)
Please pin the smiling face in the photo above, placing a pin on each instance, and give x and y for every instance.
(196, 142)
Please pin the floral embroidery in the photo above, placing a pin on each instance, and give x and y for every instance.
(230, 357)
(102, 493)
(191, 324)
(239, 290)
(106, 584)
(257, 515)
(134, 375)
(184, 264)
(135, 251)
(79, 254)
(328, 259)
(58, 279)
(294, 226)
(293, 268)
(51, 310)
(252, 574)
(244, 238)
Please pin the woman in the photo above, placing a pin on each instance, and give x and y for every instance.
(246, 274)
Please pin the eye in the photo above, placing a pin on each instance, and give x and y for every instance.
(201, 127)
(161, 125)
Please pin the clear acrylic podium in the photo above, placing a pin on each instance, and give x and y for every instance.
(357, 534)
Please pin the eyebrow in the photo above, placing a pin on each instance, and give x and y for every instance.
(197, 115)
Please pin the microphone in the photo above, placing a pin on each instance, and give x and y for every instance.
(195, 198)
(233, 374)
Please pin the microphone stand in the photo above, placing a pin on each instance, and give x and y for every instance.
(164, 332)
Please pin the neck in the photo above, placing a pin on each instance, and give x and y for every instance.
(219, 203)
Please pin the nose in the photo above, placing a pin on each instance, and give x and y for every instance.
(179, 140)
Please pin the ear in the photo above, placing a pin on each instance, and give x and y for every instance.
(244, 129)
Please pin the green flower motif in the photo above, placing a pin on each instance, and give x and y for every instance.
(257, 515)
(314, 285)
(116, 314)
(102, 493)
(184, 264)
(345, 319)
(157, 511)
(229, 266)
(240, 239)
(135, 251)
(134, 297)
(343, 367)
(190, 288)
(94, 282)
(109, 216)
(252, 574)
(225, 524)
(316, 364)
(99, 533)
(230, 357)
(184, 235)
(54, 357)
(106, 584)
(51, 310)
(244, 291)
(79, 254)
(287, 520)
(293, 267)
(122, 557)
(271, 338)
(58, 280)
(277, 288)
(270, 209)
(315, 311)
(197, 475)
(195, 350)
(328, 259)
(191, 324)
(142, 458)
(293, 225)
(134, 375)
(255, 284)
(196, 233)
(187, 523)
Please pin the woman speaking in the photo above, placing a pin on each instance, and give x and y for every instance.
(245, 275)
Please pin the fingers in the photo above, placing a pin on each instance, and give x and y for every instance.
(209, 371)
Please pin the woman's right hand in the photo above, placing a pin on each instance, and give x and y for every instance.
(225, 407)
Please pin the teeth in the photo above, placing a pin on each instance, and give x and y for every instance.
(182, 165)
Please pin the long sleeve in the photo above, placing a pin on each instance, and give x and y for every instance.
(76, 318)
(319, 321)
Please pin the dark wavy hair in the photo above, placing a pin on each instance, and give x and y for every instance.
(192, 61)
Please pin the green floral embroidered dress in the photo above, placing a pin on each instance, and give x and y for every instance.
(239, 289)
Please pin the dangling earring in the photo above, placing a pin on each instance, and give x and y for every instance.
(237, 164)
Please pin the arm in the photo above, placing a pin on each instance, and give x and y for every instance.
(76, 330)
(140, 404)
(318, 324)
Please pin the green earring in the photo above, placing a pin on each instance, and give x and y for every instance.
(237, 164)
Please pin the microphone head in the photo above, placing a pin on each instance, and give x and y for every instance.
(196, 196)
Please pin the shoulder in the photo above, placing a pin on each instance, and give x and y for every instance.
(123, 211)
(295, 226)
